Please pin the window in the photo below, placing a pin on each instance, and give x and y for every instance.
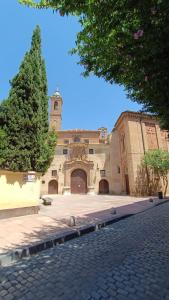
(54, 173)
(66, 142)
(91, 151)
(76, 139)
(118, 169)
(65, 151)
(102, 173)
(56, 105)
(86, 141)
(43, 181)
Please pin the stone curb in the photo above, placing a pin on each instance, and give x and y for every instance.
(17, 254)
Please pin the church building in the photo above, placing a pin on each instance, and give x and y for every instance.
(98, 162)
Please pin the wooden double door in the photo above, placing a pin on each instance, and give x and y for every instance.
(78, 182)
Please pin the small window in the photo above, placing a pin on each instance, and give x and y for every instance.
(118, 169)
(91, 151)
(43, 181)
(66, 142)
(77, 139)
(65, 151)
(54, 173)
(102, 173)
(86, 141)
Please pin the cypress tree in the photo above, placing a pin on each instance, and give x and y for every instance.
(24, 115)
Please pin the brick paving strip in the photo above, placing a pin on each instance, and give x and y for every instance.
(57, 231)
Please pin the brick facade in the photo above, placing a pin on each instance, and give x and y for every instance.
(111, 162)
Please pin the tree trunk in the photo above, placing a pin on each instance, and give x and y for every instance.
(166, 185)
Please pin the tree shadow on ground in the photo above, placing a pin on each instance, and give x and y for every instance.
(49, 232)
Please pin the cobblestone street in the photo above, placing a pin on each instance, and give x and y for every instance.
(128, 260)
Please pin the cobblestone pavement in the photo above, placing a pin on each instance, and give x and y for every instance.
(128, 260)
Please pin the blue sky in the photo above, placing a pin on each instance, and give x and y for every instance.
(87, 103)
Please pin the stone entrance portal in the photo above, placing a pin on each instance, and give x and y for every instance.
(103, 187)
(53, 187)
(78, 182)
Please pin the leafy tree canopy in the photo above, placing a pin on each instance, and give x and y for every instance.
(125, 42)
(25, 141)
(158, 161)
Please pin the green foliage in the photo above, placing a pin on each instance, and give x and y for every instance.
(125, 42)
(3, 146)
(158, 161)
(24, 116)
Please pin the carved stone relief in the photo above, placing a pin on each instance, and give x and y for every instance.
(78, 152)
(151, 136)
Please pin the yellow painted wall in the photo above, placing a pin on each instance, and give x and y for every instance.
(16, 192)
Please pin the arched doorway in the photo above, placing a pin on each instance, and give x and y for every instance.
(103, 187)
(78, 182)
(53, 187)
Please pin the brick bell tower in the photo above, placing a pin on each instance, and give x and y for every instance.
(56, 111)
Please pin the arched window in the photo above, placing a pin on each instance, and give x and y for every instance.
(56, 105)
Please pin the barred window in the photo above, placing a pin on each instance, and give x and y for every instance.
(54, 173)
(76, 139)
(66, 142)
(102, 173)
(91, 151)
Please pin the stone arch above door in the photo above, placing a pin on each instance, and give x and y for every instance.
(69, 167)
(103, 186)
(78, 181)
(53, 187)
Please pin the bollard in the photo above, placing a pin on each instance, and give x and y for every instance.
(72, 221)
(113, 212)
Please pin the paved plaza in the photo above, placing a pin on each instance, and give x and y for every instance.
(86, 206)
(52, 220)
(127, 260)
